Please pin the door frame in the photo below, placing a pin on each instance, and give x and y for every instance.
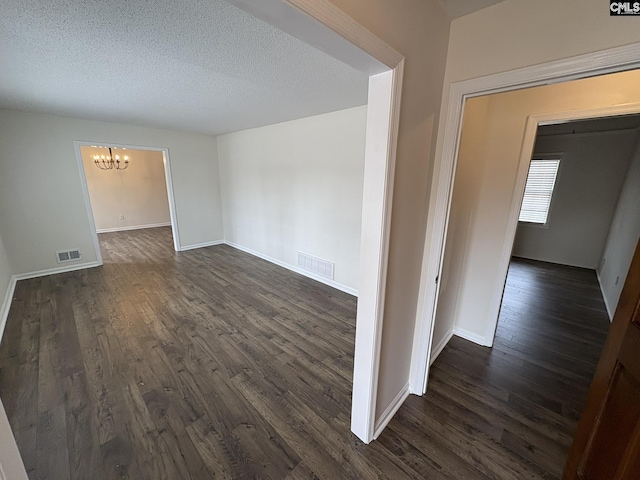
(85, 189)
(592, 64)
(533, 121)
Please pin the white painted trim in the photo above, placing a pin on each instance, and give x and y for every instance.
(296, 269)
(383, 114)
(391, 410)
(473, 337)
(87, 201)
(613, 60)
(610, 311)
(85, 190)
(298, 23)
(336, 20)
(437, 350)
(518, 191)
(8, 298)
(55, 271)
(596, 63)
(437, 222)
(133, 227)
(6, 304)
(202, 245)
(510, 234)
(173, 213)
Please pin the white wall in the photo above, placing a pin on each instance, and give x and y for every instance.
(139, 192)
(6, 287)
(461, 217)
(591, 175)
(5, 270)
(623, 237)
(297, 187)
(496, 158)
(420, 32)
(42, 208)
(10, 461)
(519, 33)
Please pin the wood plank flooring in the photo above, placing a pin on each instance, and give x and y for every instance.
(215, 364)
(511, 411)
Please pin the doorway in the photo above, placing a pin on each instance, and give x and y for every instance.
(482, 218)
(136, 193)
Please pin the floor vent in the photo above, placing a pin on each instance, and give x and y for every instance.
(316, 265)
(68, 255)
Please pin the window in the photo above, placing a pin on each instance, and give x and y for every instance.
(538, 191)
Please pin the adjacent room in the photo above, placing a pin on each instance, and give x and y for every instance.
(569, 207)
(312, 261)
(126, 200)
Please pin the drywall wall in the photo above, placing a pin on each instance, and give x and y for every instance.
(588, 184)
(11, 466)
(461, 216)
(490, 202)
(297, 187)
(519, 33)
(623, 237)
(42, 208)
(6, 287)
(5, 270)
(420, 32)
(131, 198)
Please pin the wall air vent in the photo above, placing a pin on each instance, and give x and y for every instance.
(316, 265)
(68, 255)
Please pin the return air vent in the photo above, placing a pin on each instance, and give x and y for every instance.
(316, 265)
(68, 255)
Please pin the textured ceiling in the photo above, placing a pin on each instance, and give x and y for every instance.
(458, 8)
(191, 65)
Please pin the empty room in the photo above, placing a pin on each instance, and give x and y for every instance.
(297, 270)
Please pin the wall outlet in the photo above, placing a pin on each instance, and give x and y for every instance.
(617, 280)
(122, 216)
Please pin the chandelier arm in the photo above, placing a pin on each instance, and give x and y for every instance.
(110, 163)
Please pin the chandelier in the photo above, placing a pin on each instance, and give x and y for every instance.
(110, 162)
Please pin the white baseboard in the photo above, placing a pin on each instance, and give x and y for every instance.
(437, 350)
(201, 245)
(390, 411)
(294, 268)
(55, 271)
(6, 304)
(610, 312)
(134, 227)
(472, 337)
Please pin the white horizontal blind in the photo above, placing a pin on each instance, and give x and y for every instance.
(538, 191)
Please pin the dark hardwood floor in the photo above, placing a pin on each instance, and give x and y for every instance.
(215, 364)
(511, 410)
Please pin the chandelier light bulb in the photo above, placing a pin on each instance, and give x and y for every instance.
(110, 161)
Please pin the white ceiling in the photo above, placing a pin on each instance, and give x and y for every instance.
(458, 8)
(192, 65)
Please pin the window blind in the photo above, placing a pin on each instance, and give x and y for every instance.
(538, 191)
